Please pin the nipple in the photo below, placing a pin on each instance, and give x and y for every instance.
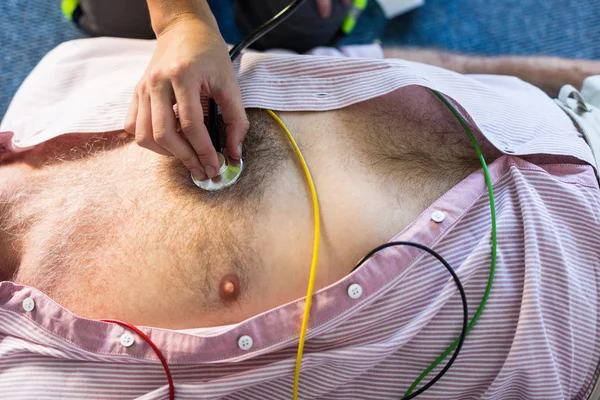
(229, 288)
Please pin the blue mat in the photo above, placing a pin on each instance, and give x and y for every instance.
(568, 28)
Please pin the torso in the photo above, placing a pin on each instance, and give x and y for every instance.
(106, 237)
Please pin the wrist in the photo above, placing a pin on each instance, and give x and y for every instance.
(165, 25)
(167, 14)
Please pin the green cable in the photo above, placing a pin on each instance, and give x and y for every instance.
(488, 289)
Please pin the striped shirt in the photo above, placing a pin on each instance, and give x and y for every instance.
(538, 337)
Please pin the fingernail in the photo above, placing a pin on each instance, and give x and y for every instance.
(210, 171)
(198, 174)
(239, 149)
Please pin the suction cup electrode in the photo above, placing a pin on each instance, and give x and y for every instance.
(229, 172)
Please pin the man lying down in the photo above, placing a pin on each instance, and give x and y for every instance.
(96, 227)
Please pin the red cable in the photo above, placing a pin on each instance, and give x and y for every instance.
(156, 350)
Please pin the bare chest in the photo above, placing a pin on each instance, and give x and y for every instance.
(377, 166)
(111, 241)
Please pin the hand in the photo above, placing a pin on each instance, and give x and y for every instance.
(190, 57)
(324, 7)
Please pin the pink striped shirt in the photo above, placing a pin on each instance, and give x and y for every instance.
(538, 335)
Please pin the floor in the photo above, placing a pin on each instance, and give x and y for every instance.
(567, 28)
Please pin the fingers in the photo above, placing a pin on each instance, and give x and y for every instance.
(155, 126)
(132, 114)
(164, 127)
(144, 135)
(191, 118)
(152, 119)
(229, 98)
(179, 147)
(324, 8)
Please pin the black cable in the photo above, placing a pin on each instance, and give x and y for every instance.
(463, 297)
(236, 50)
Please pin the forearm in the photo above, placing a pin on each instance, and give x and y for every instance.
(164, 13)
(547, 73)
(451, 61)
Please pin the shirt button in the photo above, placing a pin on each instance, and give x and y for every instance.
(355, 291)
(28, 304)
(245, 342)
(438, 216)
(127, 339)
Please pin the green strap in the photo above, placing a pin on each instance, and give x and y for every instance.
(68, 7)
(350, 22)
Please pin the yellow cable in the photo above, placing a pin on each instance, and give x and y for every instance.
(315, 257)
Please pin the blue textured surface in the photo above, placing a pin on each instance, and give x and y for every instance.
(567, 28)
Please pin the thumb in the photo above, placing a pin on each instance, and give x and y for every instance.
(229, 99)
